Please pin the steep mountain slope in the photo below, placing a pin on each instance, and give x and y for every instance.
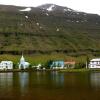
(48, 28)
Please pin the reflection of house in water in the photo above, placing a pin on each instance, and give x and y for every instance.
(24, 80)
(95, 80)
(40, 78)
(6, 80)
(58, 78)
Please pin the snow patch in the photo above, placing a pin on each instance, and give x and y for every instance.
(47, 14)
(69, 10)
(26, 17)
(51, 8)
(65, 10)
(21, 24)
(78, 13)
(26, 9)
(58, 30)
(40, 27)
(77, 21)
(37, 24)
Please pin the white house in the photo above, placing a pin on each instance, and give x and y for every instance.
(6, 65)
(94, 63)
(38, 66)
(23, 64)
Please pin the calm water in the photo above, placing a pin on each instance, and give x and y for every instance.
(49, 86)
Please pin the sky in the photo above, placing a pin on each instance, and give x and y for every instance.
(89, 6)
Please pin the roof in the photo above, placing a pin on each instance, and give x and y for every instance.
(6, 62)
(58, 61)
(69, 62)
(26, 63)
(22, 58)
(96, 59)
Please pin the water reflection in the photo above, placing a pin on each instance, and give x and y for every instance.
(23, 81)
(49, 85)
(46, 79)
(6, 80)
(57, 78)
(95, 80)
(40, 77)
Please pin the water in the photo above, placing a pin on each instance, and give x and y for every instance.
(49, 86)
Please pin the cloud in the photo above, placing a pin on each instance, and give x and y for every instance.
(91, 6)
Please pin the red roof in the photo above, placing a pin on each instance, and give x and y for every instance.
(69, 62)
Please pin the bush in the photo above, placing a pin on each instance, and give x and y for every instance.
(80, 65)
(48, 64)
(15, 66)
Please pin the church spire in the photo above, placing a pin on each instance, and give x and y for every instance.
(22, 58)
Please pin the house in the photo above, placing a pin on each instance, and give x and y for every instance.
(4, 65)
(23, 64)
(59, 64)
(94, 63)
(38, 66)
(69, 64)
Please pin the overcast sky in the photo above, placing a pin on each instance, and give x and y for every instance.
(90, 6)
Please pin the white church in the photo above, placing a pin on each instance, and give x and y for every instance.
(23, 64)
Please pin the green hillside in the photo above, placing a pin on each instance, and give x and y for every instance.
(45, 32)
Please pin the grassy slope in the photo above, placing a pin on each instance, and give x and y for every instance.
(43, 59)
(18, 33)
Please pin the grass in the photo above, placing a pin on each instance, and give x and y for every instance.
(43, 58)
(76, 70)
(80, 70)
(74, 40)
(18, 33)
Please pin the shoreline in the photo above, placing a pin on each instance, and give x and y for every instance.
(27, 70)
(59, 70)
(80, 70)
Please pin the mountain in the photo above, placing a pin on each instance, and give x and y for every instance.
(48, 28)
(53, 7)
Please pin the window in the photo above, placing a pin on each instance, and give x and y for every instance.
(92, 66)
(92, 62)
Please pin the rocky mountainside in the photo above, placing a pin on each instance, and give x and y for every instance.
(48, 28)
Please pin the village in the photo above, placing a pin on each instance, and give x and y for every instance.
(53, 65)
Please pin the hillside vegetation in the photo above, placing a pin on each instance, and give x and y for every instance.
(61, 30)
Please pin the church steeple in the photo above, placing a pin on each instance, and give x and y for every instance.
(22, 58)
(23, 64)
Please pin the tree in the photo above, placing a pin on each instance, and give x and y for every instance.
(87, 61)
(15, 66)
(80, 65)
(48, 64)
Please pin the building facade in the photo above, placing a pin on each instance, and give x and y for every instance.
(69, 64)
(57, 64)
(94, 63)
(4, 65)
